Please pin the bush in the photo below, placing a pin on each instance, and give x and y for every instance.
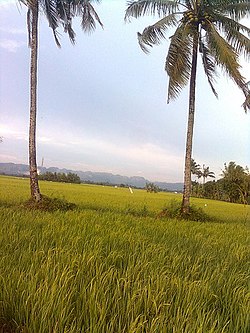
(49, 204)
(152, 188)
(173, 210)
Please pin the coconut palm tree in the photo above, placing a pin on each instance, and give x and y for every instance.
(57, 12)
(209, 27)
(205, 173)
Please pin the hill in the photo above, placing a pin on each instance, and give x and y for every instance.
(91, 177)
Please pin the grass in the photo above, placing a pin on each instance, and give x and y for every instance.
(112, 266)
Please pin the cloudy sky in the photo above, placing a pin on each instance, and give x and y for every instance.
(102, 103)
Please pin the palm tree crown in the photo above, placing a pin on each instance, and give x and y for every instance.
(213, 23)
(61, 12)
(205, 173)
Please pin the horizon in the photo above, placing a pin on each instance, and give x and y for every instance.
(114, 174)
(85, 171)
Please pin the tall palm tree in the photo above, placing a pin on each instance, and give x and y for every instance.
(205, 173)
(209, 27)
(57, 12)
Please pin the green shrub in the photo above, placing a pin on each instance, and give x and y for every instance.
(173, 210)
(49, 204)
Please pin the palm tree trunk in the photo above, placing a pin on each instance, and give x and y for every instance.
(189, 140)
(34, 186)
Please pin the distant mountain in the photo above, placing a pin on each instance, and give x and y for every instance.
(91, 177)
(171, 187)
(14, 169)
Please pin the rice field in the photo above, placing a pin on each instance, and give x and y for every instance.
(113, 266)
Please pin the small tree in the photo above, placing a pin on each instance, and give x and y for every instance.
(205, 173)
(152, 188)
(236, 182)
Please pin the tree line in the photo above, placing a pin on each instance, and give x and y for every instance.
(210, 28)
(60, 177)
(234, 186)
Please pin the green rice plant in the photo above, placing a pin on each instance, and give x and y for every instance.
(110, 267)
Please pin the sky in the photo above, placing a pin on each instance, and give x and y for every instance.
(102, 103)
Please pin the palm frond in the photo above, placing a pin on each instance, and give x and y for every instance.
(69, 9)
(49, 9)
(232, 32)
(208, 65)
(89, 17)
(226, 57)
(150, 7)
(28, 3)
(69, 30)
(178, 61)
(153, 34)
(246, 104)
(236, 9)
(239, 42)
(225, 23)
(77, 5)
(187, 4)
(65, 13)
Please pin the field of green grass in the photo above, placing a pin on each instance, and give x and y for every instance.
(113, 266)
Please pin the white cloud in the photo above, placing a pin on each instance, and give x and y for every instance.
(44, 139)
(8, 132)
(7, 3)
(11, 45)
(14, 31)
(152, 160)
(6, 158)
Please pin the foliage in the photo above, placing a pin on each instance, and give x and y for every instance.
(195, 168)
(173, 210)
(152, 188)
(98, 269)
(60, 177)
(234, 186)
(49, 204)
(221, 37)
(61, 12)
(203, 172)
(236, 182)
